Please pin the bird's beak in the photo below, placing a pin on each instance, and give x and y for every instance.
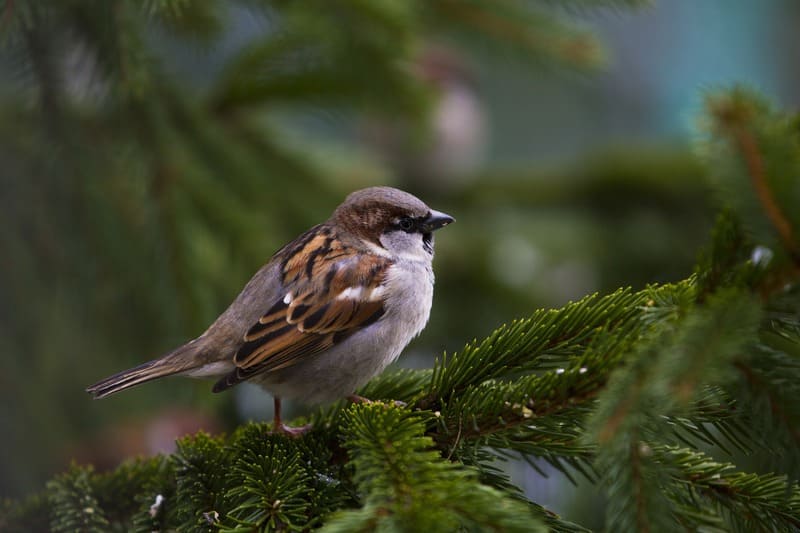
(435, 220)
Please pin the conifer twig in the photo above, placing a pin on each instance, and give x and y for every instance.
(515, 416)
(767, 500)
(755, 167)
(733, 117)
(756, 381)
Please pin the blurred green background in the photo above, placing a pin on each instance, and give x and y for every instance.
(154, 154)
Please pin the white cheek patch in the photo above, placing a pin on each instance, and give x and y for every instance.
(288, 298)
(404, 245)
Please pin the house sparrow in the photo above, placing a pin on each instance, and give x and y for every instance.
(328, 312)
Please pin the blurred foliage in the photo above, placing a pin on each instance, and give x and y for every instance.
(543, 238)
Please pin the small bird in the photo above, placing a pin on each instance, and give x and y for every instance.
(329, 311)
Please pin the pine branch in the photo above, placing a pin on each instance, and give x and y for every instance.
(620, 426)
(200, 479)
(733, 117)
(769, 395)
(714, 419)
(539, 414)
(633, 480)
(406, 485)
(270, 485)
(493, 406)
(724, 263)
(756, 149)
(748, 501)
(711, 337)
(671, 369)
(534, 416)
(664, 377)
(781, 328)
(548, 339)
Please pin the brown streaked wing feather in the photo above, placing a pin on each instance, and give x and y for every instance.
(292, 344)
(315, 319)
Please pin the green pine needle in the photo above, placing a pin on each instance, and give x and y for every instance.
(408, 486)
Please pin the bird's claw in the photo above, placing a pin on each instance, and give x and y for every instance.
(289, 431)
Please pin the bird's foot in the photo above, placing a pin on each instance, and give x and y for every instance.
(355, 398)
(279, 428)
(289, 431)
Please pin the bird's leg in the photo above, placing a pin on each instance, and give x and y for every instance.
(355, 398)
(279, 427)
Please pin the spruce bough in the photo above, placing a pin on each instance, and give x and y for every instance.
(633, 390)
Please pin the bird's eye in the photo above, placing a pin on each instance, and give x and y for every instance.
(406, 223)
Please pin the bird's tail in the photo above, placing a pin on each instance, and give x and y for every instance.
(180, 360)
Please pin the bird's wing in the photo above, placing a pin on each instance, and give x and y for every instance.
(330, 293)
